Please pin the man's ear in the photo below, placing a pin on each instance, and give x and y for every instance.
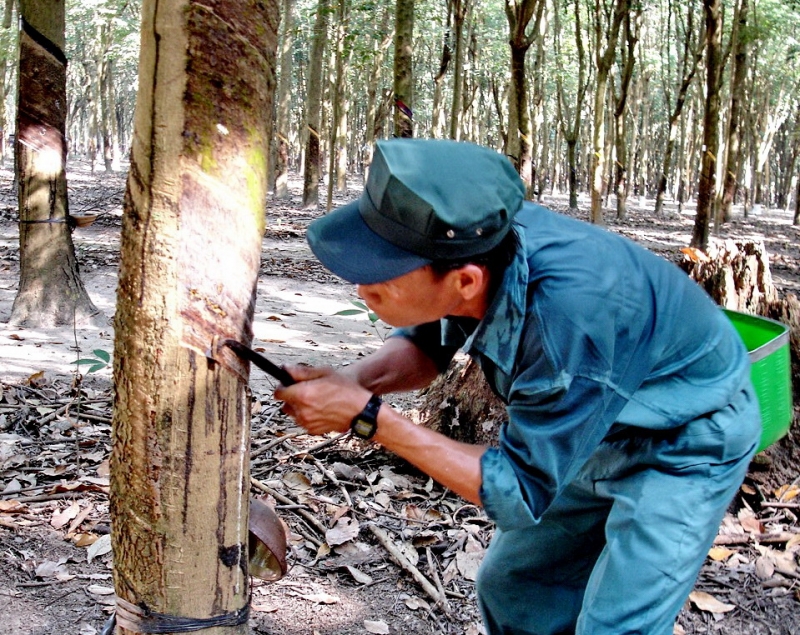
(471, 280)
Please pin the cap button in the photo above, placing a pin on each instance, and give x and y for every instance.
(451, 233)
(479, 231)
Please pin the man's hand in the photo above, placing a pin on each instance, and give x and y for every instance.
(322, 400)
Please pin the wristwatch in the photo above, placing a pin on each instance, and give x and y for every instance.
(365, 424)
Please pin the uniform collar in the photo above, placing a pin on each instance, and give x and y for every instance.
(498, 334)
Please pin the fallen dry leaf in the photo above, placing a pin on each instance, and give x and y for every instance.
(378, 627)
(343, 531)
(321, 598)
(764, 567)
(720, 554)
(707, 602)
(12, 507)
(61, 518)
(414, 603)
(468, 564)
(359, 576)
(749, 521)
(99, 548)
(785, 493)
(297, 481)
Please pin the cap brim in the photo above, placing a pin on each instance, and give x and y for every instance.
(345, 245)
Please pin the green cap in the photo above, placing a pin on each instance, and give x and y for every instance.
(424, 200)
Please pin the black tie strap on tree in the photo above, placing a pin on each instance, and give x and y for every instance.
(69, 220)
(142, 620)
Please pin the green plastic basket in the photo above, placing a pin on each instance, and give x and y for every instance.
(768, 344)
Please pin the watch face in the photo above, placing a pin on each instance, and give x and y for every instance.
(363, 428)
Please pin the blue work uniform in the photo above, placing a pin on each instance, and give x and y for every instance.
(631, 423)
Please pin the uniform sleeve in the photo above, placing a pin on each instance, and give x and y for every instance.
(548, 438)
(428, 338)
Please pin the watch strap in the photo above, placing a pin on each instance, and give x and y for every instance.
(365, 424)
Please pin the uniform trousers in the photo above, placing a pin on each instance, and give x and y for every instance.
(619, 550)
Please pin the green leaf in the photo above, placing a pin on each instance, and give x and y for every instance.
(96, 367)
(359, 304)
(84, 361)
(101, 354)
(350, 312)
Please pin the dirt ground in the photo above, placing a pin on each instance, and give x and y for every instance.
(376, 547)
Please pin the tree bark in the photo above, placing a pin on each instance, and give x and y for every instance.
(520, 145)
(283, 99)
(190, 251)
(373, 103)
(690, 59)
(312, 172)
(739, 74)
(605, 39)
(437, 109)
(337, 168)
(50, 291)
(570, 120)
(403, 69)
(707, 186)
(628, 58)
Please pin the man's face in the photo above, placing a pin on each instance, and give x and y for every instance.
(416, 298)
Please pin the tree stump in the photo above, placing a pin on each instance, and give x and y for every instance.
(460, 404)
(734, 273)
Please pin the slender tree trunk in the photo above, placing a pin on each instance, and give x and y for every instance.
(190, 252)
(283, 100)
(605, 37)
(337, 169)
(312, 170)
(520, 145)
(739, 75)
(459, 8)
(796, 217)
(690, 59)
(437, 111)
(373, 103)
(50, 289)
(707, 186)
(403, 69)
(628, 59)
(571, 132)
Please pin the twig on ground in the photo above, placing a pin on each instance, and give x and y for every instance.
(436, 579)
(271, 444)
(743, 539)
(404, 563)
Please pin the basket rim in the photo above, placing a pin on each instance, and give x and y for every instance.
(766, 349)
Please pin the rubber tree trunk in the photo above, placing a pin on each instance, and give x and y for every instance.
(570, 116)
(51, 292)
(605, 36)
(521, 37)
(403, 69)
(190, 252)
(313, 166)
(707, 187)
(739, 75)
(283, 100)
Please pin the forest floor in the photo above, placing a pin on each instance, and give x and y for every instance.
(375, 547)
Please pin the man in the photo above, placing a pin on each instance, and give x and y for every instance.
(631, 417)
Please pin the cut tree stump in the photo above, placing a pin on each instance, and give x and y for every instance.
(460, 404)
(734, 273)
